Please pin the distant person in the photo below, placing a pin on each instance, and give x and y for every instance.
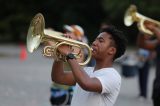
(143, 71)
(144, 57)
(154, 46)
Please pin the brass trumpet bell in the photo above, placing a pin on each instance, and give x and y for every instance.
(131, 16)
(37, 34)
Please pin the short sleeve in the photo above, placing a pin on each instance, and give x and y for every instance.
(109, 83)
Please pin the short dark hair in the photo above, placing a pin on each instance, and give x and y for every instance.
(119, 39)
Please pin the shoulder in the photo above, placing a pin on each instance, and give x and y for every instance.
(110, 71)
(110, 80)
(88, 69)
(109, 74)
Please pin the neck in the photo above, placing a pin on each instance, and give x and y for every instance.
(103, 64)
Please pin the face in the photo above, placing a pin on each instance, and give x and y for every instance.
(103, 46)
(72, 35)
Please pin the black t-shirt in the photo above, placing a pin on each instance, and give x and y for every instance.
(158, 62)
(156, 86)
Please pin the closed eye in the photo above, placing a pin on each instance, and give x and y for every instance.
(101, 39)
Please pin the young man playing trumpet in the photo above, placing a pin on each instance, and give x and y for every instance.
(99, 85)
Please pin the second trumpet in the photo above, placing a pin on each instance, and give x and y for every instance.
(131, 16)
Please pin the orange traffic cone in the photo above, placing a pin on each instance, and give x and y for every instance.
(23, 53)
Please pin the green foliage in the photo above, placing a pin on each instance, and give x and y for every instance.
(17, 14)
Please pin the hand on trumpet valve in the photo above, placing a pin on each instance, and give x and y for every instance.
(65, 49)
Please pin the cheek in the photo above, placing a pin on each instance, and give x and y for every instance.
(105, 49)
(105, 46)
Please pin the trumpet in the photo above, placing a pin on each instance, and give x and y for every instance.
(37, 34)
(131, 16)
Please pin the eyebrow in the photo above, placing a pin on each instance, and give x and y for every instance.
(100, 38)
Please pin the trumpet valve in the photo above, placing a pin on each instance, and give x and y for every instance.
(48, 51)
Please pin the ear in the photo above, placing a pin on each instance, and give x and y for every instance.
(112, 50)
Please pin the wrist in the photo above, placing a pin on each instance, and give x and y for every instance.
(70, 56)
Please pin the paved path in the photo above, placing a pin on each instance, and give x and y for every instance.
(27, 83)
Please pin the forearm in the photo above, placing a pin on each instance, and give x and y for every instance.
(80, 76)
(57, 70)
(145, 43)
(60, 76)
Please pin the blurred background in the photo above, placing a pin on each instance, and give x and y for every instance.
(16, 15)
(25, 78)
